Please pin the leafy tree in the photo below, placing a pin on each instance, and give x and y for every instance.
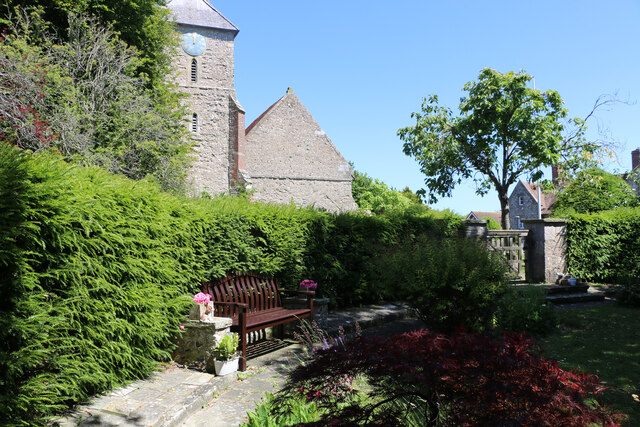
(77, 96)
(505, 130)
(594, 190)
(375, 196)
(142, 24)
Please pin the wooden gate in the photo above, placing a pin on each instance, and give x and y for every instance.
(510, 243)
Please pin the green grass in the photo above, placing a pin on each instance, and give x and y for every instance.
(605, 341)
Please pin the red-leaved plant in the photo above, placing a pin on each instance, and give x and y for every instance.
(465, 379)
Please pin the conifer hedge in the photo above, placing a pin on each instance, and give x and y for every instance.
(605, 246)
(97, 271)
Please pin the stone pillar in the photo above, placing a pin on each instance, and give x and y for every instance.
(546, 249)
(476, 229)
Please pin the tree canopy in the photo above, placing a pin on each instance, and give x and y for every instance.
(504, 130)
(375, 196)
(79, 95)
(594, 190)
(141, 24)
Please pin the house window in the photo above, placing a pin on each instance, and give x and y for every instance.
(194, 123)
(194, 70)
(520, 224)
(520, 201)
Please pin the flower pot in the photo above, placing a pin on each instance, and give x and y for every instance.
(226, 367)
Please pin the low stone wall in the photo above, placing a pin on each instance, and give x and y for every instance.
(196, 343)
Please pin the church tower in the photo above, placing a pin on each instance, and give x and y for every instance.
(205, 67)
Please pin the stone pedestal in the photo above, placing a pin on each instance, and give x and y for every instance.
(197, 341)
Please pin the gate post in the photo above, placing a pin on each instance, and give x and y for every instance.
(546, 247)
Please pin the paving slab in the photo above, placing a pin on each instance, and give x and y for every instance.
(177, 396)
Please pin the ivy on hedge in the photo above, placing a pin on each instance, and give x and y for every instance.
(97, 271)
(605, 246)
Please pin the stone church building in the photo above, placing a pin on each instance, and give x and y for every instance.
(282, 156)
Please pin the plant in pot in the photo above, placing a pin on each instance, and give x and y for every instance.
(226, 354)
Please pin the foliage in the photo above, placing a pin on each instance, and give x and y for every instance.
(375, 196)
(141, 24)
(299, 411)
(76, 97)
(605, 246)
(492, 224)
(451, 283)
(93, 282)
(227, 348)
(628, 294)
(524, 309)
(606, 340)
(98, 270)
(504, 130)
(462, 379)
(594, 190)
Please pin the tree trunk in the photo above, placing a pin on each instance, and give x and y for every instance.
(504, 207)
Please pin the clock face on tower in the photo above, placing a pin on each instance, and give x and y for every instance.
(194, 44)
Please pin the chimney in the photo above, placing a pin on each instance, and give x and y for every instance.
(635, 159)
(554, 174)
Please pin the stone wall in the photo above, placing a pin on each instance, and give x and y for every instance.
(290, 158)
(210, 98)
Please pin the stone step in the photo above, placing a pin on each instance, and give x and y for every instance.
(573, 298)
(566, 289)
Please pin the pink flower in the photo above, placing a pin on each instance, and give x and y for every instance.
(309, 284)
(201, 298)
(181, 327)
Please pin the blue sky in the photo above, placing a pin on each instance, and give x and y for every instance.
(362, 67)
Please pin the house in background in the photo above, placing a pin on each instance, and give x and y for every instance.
(477, 215)
(523, 202)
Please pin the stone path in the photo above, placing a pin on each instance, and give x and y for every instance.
(176, 396)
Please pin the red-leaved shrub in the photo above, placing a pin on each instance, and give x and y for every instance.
(464, 379)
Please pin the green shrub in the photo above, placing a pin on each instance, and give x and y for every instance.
(97, 271)
(605, 246)
(523, 308)
(628, 294)
(492, 224)
(96, 282)
(298, 411)
(594, 190)
(451, 282)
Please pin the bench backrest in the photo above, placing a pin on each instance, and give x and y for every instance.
(258, 292)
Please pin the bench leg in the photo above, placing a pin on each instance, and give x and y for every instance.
(243, 342)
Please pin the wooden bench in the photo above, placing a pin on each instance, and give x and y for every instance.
(253, 303)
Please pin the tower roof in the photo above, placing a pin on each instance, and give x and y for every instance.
(199, 13)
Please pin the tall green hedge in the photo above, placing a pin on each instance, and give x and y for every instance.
(605, 246)
(97, 271)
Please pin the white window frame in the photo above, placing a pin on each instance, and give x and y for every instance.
(520, 201)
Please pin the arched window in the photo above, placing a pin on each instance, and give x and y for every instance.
(194, 70)
(194, 123)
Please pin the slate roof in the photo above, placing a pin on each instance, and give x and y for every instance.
(200, 13)
(548, 199)
(479, 215)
